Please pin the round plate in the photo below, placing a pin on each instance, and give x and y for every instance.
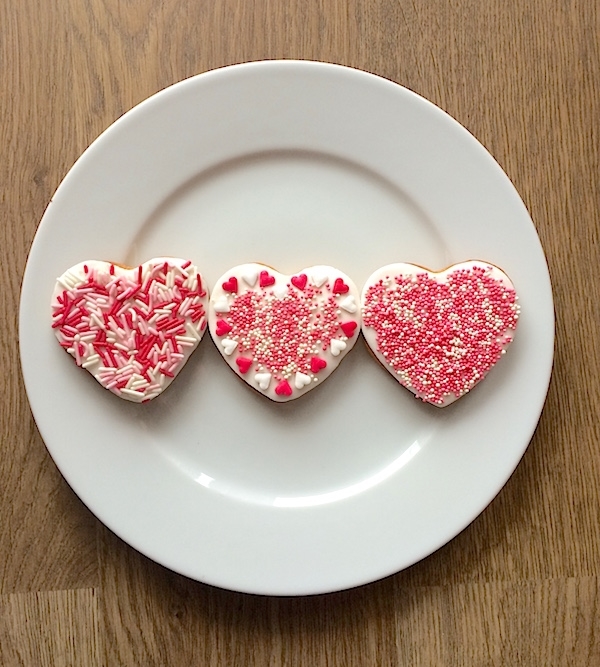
(291, 164)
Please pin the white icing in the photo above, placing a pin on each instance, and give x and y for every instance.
(221, 305)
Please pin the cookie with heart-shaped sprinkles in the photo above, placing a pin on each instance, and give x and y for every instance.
(284, 334)
(439, 333)
(133, 329)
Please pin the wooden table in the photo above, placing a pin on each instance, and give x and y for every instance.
(518, 586)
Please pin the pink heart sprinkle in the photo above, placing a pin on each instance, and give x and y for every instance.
(244, 364)
(317, 364)
(300, 281)
(222, 328)
(266, 279)
(340, 287)
(231, 285)
(348, 328)
(283, 388)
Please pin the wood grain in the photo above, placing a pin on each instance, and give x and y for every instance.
(519, 586)
(50, 628)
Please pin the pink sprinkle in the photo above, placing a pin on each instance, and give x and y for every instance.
(223, 327)
(283, 388)
(244, 364)
(300, 281)
(266, 279)
(231, 285)
(317, 364)
(348, 328)
(340, 287)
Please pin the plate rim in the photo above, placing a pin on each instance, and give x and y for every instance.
(302, 589)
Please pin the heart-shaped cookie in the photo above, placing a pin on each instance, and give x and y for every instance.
(439, 334)
(283, 334)
(132, 329)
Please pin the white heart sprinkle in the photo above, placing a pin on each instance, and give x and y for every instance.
(280, 291)
(301, 380)
(348, 304)
(229, 345)
(263, 380)
(319, 279)
(250, 277)
(337, 346)
(221, 305)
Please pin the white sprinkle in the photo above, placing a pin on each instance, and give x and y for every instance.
(336, 346)
(184, 305)
(94, 319)
(133, 393)
(192, 330)
(186, 340)
(154, 394)
(250, 277)
(229, 345)
(138, 384)
(348, 304)
(301, 380)
(319, 279)
(221, 305)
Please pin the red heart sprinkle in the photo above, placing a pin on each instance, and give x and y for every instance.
(223, 327)
(348, 328)
(283, 388)
(340, 287)
(266, 279)
(231, 285)
(300, 281)
(244, 364)
(317, 364)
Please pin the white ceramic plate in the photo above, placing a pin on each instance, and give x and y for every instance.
(291, 164)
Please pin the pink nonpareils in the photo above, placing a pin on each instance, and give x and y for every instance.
(439, 334)
(132, 329)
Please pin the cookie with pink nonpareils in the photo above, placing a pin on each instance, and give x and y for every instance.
(133, 329)
(284, 334)
(439, 333)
